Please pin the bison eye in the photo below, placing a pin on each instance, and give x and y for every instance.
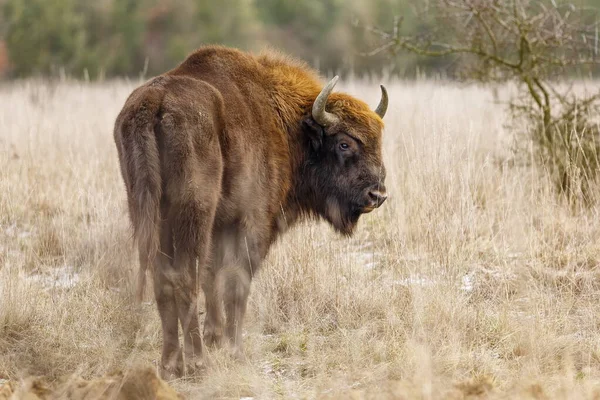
(344, 146)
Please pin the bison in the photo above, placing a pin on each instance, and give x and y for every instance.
(221, 155)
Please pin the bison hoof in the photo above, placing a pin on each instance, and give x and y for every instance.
(169, 373)
(195, 366)
(172, 367)
(237, 353)
(213, 339)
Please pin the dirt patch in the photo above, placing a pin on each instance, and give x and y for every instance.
(139, 383)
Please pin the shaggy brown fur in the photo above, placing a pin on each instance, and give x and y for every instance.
(221, 155)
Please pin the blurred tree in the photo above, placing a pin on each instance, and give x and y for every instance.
(231, 22)
(314, 30)
(43, 36)
(113, 37)
(125, 54)
(175, 28)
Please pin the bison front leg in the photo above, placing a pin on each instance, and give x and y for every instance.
(225, 249)
(213, 323)
(236, 290)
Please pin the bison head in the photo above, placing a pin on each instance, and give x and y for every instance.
(345, 167)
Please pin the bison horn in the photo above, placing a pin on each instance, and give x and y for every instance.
(383, 103)
(319, 114)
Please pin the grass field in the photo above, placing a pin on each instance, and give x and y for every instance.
(473, 280)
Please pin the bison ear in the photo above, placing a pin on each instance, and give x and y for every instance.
(314, 131)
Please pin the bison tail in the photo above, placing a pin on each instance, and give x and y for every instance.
(146, 191)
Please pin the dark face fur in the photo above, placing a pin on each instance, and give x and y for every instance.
(345, 173)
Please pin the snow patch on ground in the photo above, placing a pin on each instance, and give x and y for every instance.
(14, 231)
(57, 278)
(468, 282)
(414, 280)
(365, 255)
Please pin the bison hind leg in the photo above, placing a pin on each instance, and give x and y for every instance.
(164, 292)
(192, 167)
(192, 223)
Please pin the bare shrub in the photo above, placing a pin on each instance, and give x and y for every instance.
(531, 43)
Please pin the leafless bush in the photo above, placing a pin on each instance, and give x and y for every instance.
(533, 43)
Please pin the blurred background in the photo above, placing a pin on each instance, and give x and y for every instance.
(109, 38)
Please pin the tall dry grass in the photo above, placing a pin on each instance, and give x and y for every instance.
(472, 280)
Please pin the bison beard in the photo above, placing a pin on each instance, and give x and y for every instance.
(342, 217)
(221, 155)
(340, 209)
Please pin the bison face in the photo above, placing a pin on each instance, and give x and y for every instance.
(345, 165)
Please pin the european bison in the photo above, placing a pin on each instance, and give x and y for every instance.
(221, 155)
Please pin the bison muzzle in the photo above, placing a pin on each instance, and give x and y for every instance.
(221, 155)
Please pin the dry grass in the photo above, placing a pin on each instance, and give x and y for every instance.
(472, 280)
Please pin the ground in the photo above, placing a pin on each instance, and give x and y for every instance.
(473, 280)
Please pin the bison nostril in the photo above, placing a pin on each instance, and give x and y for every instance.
(377, 196)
